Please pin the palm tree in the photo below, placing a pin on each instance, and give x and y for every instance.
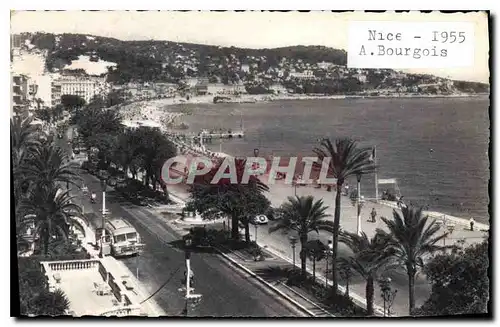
(303, 215)
(50, 211)
(345, 159)
(239, 201)
(411, 237)
(23, 138)
(24, 141)
(315, 251)
(48, 166)
(369, 256)
(51, 303)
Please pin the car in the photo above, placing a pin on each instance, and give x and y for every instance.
(260, 220)
(112, 181)
(103, 174)
(76, 151)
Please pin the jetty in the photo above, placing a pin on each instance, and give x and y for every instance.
(206, 135)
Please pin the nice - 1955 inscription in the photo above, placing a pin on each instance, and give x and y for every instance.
(437, 41)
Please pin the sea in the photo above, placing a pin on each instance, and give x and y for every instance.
(436, 148)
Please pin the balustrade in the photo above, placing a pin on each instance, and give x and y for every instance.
(123, 311)
(72, 265)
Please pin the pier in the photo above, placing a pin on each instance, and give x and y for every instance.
(210, 135)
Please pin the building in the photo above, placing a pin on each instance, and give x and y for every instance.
(278, 88)
(325, 65)
(19, 91)
(216, 88)
(307, 74)
(84, 87)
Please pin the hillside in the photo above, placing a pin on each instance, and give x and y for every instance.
(258, 69)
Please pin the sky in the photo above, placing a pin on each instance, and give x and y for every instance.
(244, 29)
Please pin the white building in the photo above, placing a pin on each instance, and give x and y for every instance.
(84, 87)
(307, 74)
(325, 65)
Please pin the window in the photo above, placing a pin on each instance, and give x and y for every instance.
(120, 238)
(131, 236)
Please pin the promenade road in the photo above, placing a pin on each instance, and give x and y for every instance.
(279, 242)
(227, 292)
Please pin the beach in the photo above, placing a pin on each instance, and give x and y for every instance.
(425, 177)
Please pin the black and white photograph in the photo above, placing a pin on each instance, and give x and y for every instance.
(250, 164)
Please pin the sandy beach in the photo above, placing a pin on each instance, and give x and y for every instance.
(155, 110)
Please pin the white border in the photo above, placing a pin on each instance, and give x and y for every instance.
(202, 5)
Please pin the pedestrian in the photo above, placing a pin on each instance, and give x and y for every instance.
(346, 189)
(374, 215)
(471, 222)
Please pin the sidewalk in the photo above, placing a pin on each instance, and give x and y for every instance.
(149, 308)
(279, 243)
(242, 260)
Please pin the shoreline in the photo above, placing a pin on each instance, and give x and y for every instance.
(157, 110)
(256, 98)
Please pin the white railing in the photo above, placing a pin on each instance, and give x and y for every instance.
(70, 265)
(134, 310)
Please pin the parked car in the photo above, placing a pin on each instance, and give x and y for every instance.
(121, 181)
(260, 220)
(103, 174)
(112, 181)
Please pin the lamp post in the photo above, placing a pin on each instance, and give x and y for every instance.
(188, 242)
(358, 200)
(328, 251)
(255, 225)
(388, 294)
(293, 241)
(450, 228)
(103, 215)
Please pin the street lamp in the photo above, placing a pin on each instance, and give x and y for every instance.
(388, 294)
(188, 241)
(103, 215)
(293, 241)
(191, 299)
(255, 225)
(450, 228)
(358, 225)
(328, 251)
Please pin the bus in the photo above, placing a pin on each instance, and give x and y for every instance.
(120, 239)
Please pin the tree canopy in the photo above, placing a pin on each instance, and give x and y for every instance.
(460, 282)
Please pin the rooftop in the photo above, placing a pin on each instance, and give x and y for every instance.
(91, 287)
(81, 287)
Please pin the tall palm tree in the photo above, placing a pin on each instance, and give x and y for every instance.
(24, 141)
(315, 251)
(303, 215)
(411, 237)
(48, 166)
(345, 159)
(239, 200)
(50, 211)
(23, 138)
(367, 259)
